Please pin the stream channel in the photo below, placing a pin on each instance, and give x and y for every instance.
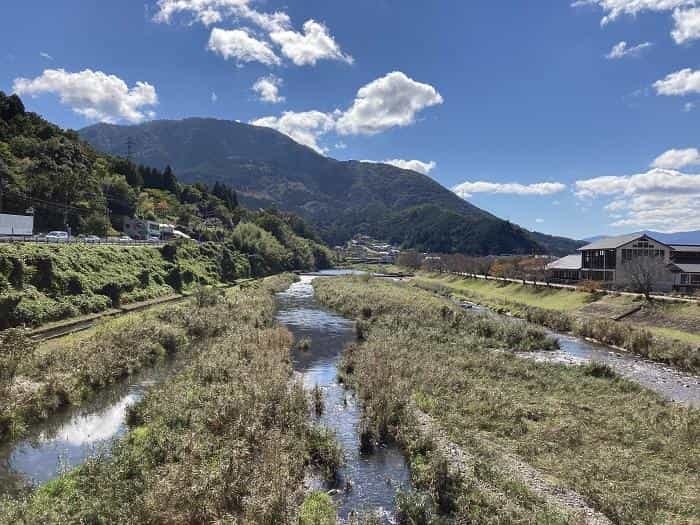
(367, 482)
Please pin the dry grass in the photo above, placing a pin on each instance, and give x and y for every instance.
(226, 441)
(632, 455)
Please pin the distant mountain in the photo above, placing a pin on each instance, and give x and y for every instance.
(268, 169)
(689, 237)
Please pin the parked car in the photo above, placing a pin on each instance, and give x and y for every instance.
(92, 238)
(124, 238)
(154, 238)
(57, 236)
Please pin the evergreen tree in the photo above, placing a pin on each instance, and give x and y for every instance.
(169, 181)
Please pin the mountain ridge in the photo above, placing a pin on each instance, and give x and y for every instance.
(341, 198)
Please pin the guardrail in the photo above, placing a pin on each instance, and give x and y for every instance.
(76, 240)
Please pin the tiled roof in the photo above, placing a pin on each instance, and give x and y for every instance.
(570, 262)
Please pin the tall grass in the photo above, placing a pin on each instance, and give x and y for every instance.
(227, 440)
(631, 454)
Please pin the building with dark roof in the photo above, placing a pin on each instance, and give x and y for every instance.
(608, 261)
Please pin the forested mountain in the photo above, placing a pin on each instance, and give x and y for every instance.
(341, 199)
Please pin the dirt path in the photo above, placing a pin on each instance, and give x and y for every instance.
(568, 501)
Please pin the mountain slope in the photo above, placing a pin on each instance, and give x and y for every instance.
(268, 168)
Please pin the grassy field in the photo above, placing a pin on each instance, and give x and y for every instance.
(550, 298)
(227, 440)
(659, 331)
(632, 455)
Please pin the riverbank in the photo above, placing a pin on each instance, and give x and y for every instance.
(226, 439)
(589, 315)
(628, 453)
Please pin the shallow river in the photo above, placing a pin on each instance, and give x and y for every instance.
(372, 479)
(673, 384)
(69, 437)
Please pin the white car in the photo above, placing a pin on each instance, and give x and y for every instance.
(57, 236)
(125, 238)
(92, 239)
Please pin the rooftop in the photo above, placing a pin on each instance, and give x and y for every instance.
(688, 268)
(686, 247)
(570, 262)
(610, 243)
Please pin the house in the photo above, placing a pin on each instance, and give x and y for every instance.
(607, 261)
(565, 270)
(144, 230)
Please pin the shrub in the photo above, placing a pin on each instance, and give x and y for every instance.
(317, 509)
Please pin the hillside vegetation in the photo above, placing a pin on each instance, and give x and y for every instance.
(68, 184)
(341, 199)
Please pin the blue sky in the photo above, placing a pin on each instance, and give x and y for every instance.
(535, 111)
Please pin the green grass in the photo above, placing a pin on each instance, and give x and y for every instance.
(226, 440)
(658, 343)
(633, 455)
(549, 298)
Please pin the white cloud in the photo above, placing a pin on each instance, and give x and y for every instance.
(94, 94)
(687, 25)
(616, 8)
(683, 82)
(539, 221)
(304, 127)
(392, 100)
(314, 43)
(622, 50)
(214, 98)
(662, 199)
(242, 47)
(268, 89)
(677, 158)
(205, 11)
(340, 145)
(45, 55)
(688, 107)
(466, 189)
(414, 165)
(307, 48)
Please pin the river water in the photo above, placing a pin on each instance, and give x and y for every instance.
(367, 482)
(671, 383)
(69, 437)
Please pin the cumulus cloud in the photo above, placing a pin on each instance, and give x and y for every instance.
(307, 48)
(467, 189)
(688, 107)
(45, 55)
(205, 11)
(304, 127)
(214, 98)
(615, 8)
(393, 100)
(389, 101)
(683, 82)
(93, 94)
(686, 25)
(303, 48)
(677, 158)
(414, 165)
(662, 199)
(622, 50)
(268, 89)
(240, 46)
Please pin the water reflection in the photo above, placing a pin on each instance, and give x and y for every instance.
(68, 438)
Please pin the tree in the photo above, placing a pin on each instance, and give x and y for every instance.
(642, 274)
(409, 259)
(170, 181)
